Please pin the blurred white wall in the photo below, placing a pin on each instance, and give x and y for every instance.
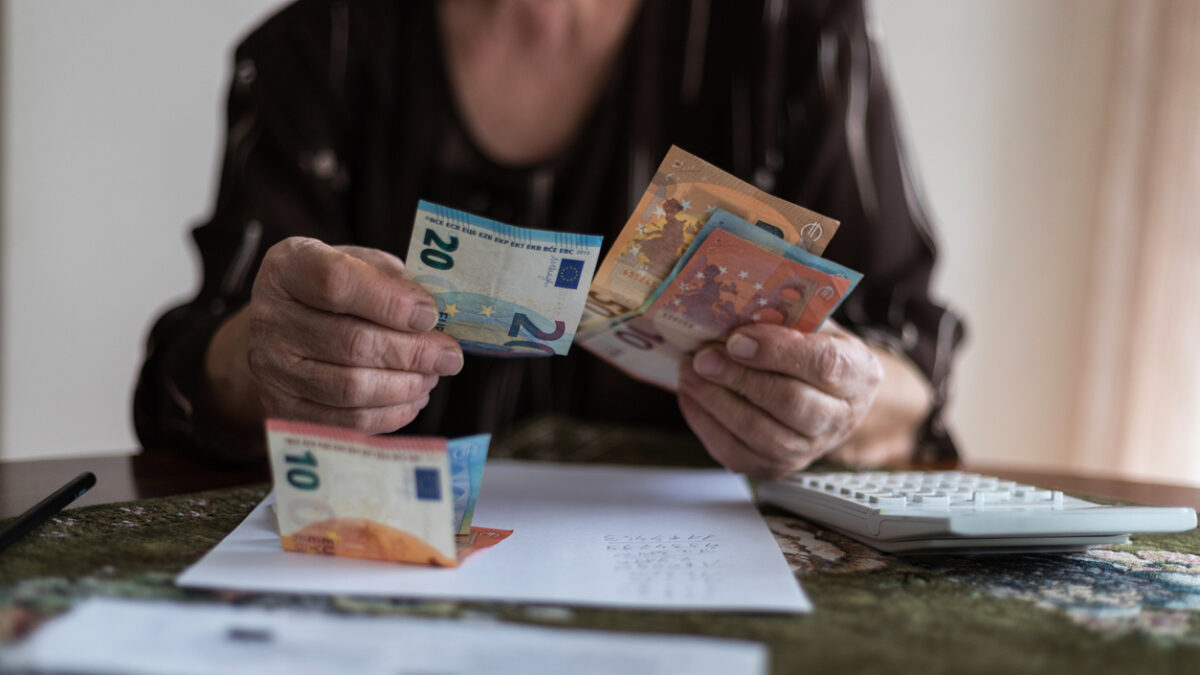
(111, 119)
(1004, 105)
(111, 116)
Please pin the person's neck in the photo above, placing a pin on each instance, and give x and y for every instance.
(541, 28)
(526, 72)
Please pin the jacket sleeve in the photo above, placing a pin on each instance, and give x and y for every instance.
(284, 173)
(842, 121)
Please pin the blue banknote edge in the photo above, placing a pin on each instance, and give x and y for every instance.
(475, 450)
(513, 232)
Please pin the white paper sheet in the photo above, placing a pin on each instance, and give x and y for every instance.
(122, 636)
(583, 535)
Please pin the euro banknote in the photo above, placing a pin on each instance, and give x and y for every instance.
(467, 457)
(501, 290)
(733, 273)
(674, 208)
(394, 498)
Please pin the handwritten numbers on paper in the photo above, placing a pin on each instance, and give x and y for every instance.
(666, 566)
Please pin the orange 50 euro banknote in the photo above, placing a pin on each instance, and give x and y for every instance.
(674, 209)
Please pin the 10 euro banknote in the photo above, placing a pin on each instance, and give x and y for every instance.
(395, 498)
(501, 290)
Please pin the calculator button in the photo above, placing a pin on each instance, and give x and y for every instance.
(930, 501)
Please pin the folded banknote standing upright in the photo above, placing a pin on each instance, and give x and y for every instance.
(501, 290)
(395, 498)
(724, 272)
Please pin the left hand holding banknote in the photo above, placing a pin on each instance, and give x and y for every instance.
(333, 335)
(773, 399)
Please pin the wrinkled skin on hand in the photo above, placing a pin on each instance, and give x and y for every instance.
(337, 336)
(772, 399)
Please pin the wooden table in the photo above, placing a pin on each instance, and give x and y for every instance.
(119, 478)
(165, 473)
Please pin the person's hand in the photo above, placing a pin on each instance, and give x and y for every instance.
(336, 335)
(772, 399)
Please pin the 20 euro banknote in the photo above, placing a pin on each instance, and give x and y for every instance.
(501, 290)
(395, 498)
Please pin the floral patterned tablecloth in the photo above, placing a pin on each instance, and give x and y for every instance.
(1123, 609)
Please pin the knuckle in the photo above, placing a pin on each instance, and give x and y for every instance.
(280, 255)
(260, 326)
(330, 280)
(812, 415)
(360, 345)
(403, 416)
(353, 388)
(831, 363)
(398, 304)
(846, 419)
(428, 382)
(742, 379)
(258, 361)
(408, 388)
(781, 393)
(363, 419)
(744, 418)
(419, 355)
(758, 436)
(791, 449)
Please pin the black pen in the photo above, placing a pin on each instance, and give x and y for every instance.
(49, 506)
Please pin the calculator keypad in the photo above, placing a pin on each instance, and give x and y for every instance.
(940, 490)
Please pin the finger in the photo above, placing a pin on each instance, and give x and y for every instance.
(779, 445)
(383, 261)
(348, 341)
(334, 281)
(792, 402)
(368, 420)
(831, 360)
(351, 387)
(724, 447)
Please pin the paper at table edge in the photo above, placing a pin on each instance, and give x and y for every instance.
(155, 636)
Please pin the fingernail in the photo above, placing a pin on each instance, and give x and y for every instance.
(449, 362)
(742, 346)
(709, 363)
(423, 318)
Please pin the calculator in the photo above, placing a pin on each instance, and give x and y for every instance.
(959, 512)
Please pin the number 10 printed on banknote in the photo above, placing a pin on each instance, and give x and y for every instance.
(501, 290)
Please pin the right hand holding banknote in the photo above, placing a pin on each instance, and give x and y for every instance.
(771, 400)
(336, 335)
